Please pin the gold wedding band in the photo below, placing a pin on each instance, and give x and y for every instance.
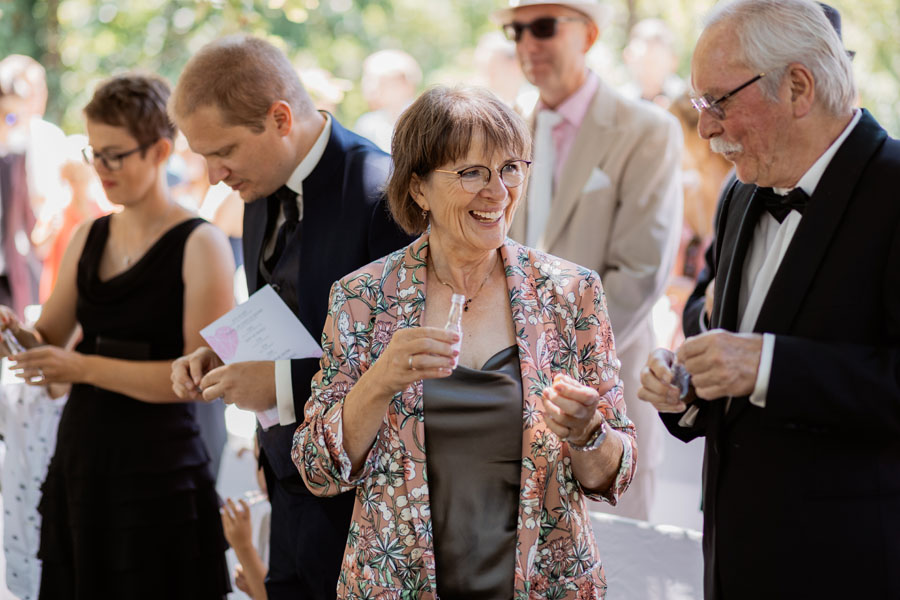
(411, 368)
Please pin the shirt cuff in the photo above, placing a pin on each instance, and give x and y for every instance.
(284, 393)
(689, 417)
(703, 326)
(758, 397)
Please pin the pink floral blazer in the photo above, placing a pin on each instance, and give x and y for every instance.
(561, 327)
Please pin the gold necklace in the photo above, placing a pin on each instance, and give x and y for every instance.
(468, 300)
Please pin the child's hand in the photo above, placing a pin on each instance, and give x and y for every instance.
(236, 523)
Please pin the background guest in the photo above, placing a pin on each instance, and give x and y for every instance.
(19, 265)
(652, 61)
(605, 192)
(390, 80)
(497, 69)
(86, 202)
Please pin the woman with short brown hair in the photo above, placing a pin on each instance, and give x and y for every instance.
(129, 504)
(471, 453)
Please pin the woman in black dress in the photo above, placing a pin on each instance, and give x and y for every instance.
(129, 504)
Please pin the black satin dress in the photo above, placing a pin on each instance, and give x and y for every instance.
(129, 505)
(473, 445)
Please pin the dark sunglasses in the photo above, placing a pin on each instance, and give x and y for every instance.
(542, 28)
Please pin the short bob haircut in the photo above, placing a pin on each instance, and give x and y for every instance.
(136, 102)
(242, 76)
(440, 127)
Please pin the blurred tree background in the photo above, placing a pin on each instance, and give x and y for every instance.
(82, 41)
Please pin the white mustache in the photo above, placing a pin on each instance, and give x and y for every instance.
(720, 146)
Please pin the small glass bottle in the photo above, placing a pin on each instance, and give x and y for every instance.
(454, 321)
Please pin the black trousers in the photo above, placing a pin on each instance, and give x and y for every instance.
(307, 541)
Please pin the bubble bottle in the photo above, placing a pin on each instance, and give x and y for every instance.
(454, 321)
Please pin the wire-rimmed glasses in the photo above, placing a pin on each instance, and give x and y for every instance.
(476, 178)
(714, 107)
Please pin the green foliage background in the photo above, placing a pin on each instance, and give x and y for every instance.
(82, 41)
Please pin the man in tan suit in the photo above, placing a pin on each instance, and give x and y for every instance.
(605, 192)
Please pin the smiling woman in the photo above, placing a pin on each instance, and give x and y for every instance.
(473, 452)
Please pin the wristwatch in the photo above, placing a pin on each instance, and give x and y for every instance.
(594, 442)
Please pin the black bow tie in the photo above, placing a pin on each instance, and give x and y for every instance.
(780, 206)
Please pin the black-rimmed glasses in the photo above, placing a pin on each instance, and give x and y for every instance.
(542, 28)
(714, 107)
(474, 179)
(112, 161)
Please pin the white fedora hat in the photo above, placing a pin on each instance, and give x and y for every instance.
(597, 11)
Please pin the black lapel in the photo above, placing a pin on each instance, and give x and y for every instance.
(810, 242)
(735, 241)
(257, 222)
(820, 221)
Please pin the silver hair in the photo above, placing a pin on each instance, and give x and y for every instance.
(775, 33)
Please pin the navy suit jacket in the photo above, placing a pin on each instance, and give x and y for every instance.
(345, 225)
(802, 497)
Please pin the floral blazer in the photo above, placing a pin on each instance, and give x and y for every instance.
(561, 327)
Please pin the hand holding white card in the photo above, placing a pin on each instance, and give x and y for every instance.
(262, 328)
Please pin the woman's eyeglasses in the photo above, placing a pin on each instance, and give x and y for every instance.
(111, 161)
(542, 28)
(474, 179)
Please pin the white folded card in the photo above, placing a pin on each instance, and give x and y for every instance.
(262, 328)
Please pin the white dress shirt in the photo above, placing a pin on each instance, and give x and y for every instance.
(284, 390)
(771, 240)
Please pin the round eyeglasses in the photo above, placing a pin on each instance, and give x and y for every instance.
(111, 161)
(714, 107)
(474, 179)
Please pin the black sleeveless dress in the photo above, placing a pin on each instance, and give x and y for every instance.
(129, 505)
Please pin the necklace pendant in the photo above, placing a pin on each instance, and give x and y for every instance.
(466, 305)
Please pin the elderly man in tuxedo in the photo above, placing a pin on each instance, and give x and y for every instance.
(796, 386)
(314, 212)
(605, 192)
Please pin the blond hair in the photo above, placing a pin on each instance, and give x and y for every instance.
(242, 76)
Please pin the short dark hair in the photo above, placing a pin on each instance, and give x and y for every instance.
(438, 128)
(136, 102)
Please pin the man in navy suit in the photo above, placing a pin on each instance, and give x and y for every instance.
(796, 386)
(314, 212)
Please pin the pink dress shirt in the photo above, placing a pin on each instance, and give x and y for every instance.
(572, 110)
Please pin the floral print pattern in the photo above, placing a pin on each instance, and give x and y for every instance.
(562, 326)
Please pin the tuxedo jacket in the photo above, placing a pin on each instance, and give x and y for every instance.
(802, 497)
(345, 225)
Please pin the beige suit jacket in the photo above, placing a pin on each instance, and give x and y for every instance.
(617, 207)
